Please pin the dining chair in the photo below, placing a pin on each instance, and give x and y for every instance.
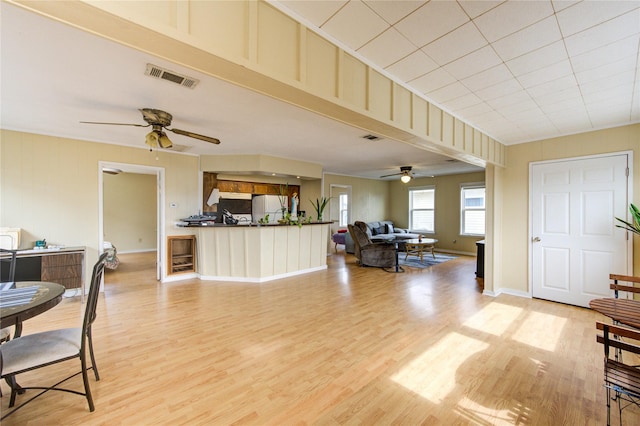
(622, 381)
(33, 351)
(5, 333)
(617, 287)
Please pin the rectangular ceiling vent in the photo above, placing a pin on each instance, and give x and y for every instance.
(164, 74)
(372, 137)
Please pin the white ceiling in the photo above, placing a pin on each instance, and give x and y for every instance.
(517, 70)
(491, 75)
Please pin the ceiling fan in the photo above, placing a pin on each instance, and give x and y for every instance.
(159, 121)
(405, 173)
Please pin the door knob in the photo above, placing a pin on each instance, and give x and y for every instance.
(535, 239)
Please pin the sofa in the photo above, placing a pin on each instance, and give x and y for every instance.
(381, 231)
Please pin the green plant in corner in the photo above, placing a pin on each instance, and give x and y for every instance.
(319, 206)
(634, 225)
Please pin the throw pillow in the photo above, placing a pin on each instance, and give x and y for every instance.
(389, 228)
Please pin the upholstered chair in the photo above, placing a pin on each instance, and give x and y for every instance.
(368, 253)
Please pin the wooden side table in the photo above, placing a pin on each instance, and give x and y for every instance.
(416, 247)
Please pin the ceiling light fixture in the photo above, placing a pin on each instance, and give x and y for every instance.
(406, 177)
(157, 138)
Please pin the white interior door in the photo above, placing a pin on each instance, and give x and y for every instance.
(574, 242)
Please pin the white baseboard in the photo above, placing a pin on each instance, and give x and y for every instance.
(508, 291)
(137, 251)
(261, 279)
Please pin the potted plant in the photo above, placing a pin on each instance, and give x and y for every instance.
(283, 196)
(634, 225)
(319, 206)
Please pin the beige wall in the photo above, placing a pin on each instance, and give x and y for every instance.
(369, 197)
(130, 211)
(50, 187)
(513, 261)
(447, 203)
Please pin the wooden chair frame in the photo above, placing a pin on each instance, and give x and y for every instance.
(622, 381)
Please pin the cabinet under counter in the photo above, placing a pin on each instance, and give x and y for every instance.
(261, 253)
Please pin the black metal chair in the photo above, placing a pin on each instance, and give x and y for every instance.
(40, 350)
(621, 380)
(5, 333)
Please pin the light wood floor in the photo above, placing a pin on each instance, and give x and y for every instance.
(345, 346)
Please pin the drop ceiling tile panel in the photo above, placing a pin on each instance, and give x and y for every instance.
(614, 52)
(551, 97)
(546, 74)
(387, 48)
(316, 12)
(556, 106)
(518, 107)
(488, 78)
(432, 81)
(343, 27)
(464, 102)
(456, 44)
(595, 93)
(447, 93)
(393, 11)
(476, 8)
(553, 86)
(587, 14)
(498, 90)
(528, 39)
(474, 111)
(538, 59)
(559, 5)
(512, 16)
(431, 21)
(473, 63)
(412, 66)
(604, 34)
(510, 99)
(607, 70)
(611, 84)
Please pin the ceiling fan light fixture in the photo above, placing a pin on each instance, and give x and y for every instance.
(152, 139)
(406, 178)
(164, 141)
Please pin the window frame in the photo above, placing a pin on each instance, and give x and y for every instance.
(463, 209)
(411, 209)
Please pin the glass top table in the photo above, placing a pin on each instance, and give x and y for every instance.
(25, 300)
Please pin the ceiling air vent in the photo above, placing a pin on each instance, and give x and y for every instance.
(371, 137)
(164, 74)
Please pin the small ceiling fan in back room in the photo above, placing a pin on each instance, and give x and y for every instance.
(159, 121)
(405, 173)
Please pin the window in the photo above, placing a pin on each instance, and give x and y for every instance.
(422, 209)
(472, 209)
(344, 209)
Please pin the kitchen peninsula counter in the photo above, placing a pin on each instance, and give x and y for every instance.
(260, 252)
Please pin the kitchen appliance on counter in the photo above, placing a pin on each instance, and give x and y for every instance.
(263, 205)
(199, 220)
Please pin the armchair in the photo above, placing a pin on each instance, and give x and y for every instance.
(368, 253)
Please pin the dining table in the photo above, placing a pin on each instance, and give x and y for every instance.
(623, 311)
(22, 300)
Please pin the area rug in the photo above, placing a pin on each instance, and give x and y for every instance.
(427, 260)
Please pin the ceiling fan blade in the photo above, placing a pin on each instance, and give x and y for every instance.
(116, 124)
(394, 174)
(194, 135)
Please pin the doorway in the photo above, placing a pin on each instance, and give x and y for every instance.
(340, 206)
(574, 244)
(155, 213)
